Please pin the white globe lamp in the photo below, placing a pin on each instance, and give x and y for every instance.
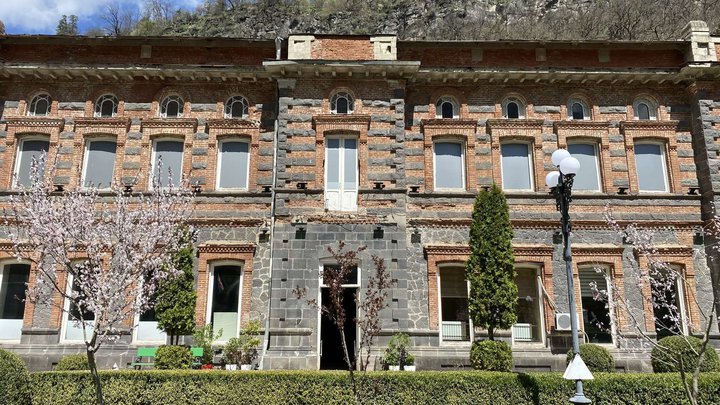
(551, 180)
(570, 166)
(558, 156)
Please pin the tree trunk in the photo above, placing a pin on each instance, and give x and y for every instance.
(491, 333)
(94, 372)
(349, 363)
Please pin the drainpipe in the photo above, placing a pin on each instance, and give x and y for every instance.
(266, 340)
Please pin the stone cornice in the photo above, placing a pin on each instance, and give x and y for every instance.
(449, 123)
(346, 119)
(515, 124)
(229, 123)
(169, 123)
(37, 122)
(674, 250)
(463, 250)
(244, 222)
(102, 122)
(596, 250)
(670, 125)
(226, 247)
(555, 224)
(581, 124)
(331, 218)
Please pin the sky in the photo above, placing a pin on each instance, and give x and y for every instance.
(41, 16)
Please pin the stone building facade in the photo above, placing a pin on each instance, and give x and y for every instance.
(298, 144)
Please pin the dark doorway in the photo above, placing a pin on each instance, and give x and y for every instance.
(331, 355)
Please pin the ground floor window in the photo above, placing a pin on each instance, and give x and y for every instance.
(13, 279)
(454, 314)
(224, 299)
(529, 318)
(596, 313)
(668, 298)
(74, 331)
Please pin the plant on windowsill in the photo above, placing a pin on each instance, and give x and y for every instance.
(397, 356)
(232, 354)
(249, 343)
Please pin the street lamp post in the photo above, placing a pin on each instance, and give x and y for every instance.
(560, 183)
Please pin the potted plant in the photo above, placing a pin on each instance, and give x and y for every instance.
(397, 356)
(249, 342)
(232, 354)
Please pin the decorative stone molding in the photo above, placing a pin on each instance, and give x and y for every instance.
(169, 123)
(529, 124)
(226, 247)
(36, 122)
(114, 122)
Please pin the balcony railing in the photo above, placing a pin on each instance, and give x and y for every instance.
(455, 331)
(522, 332)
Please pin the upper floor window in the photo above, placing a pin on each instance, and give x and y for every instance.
(589, 177)
(40, 105)
(447, 107)
(236, 107)
(106, 106)
(449, 166)
(512, 107)
(516, 162)
(99, 163)
(578, 110)
(233, 164)
(644, 109)
(167, 162)
(171, 107)
(342, 103)
(341, 173)
(650, 167)
(30, 149)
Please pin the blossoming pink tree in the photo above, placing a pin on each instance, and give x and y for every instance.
(105, 252)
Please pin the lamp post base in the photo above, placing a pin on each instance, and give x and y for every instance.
(580, 399)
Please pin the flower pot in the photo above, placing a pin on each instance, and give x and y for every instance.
(246, 367)
(394, 368)
(410, 368)
(231, 367)
(206, 367)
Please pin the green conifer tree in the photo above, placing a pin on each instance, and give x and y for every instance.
(491, 266)
(175, 303)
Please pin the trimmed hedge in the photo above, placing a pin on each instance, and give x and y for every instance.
(14, 379)
(171, 357)
(668, 360)
(491, 355)
(73, 362)
(597, 358)
(311, 387)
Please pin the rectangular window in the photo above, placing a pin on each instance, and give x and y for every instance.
(28, 150)
(516, 164)
(528, 326)
(454, 315)
(170, 152)
(73, 331)
(13, 278)
(225, 300)
(588, 178)
(341, 174)
(596, 314)
(99, 163)
(233, 165)
(449, 166)
(147, 328)
(650, 167)
(668, 302)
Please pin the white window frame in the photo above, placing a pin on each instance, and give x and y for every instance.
(18, 155)
(219, 165)
(652, 109)
(447, 99)
(211, 287)
(101, 100)
(2, 275)
(164, 103)
(66, 322)
(439, 308)
(341, 168)
(321, 284)
(522, 112)
(663, 159)
(598, 167)
(463, 169)
(607, 273)
(153, 162)
(537, 272)
(531, 168)
(344, 94)
(586, 109)
(85, 160)
(236, 99)
(680, 298)
(31, 112)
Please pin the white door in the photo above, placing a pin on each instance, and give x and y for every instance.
(341, 174)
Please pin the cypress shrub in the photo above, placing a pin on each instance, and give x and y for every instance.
(14, 379)
(491, 355)
(596, 358)
(666, 358)
(173, 358)
(73, 362)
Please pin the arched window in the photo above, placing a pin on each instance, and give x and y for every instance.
(342, 103)
(578, 110)
(171, 107)
(40, 105)
(644, 109)
(446, 107)
(513, 108)
(236, 107)
(106, 106)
